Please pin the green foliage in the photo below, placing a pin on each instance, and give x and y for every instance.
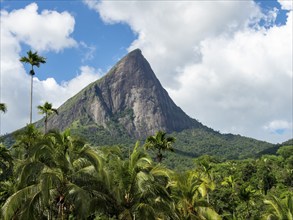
(159, 142)
(47, 110)
(3, 107)
(33, 59)
(60, 176)
(227, 146)
(279, 208)
(285, 151)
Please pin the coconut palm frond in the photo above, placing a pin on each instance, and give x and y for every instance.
(15, 202)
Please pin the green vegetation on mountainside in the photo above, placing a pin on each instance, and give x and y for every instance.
(189, 143)
(59, 176)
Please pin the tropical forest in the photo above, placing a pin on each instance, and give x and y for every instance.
(52, 171)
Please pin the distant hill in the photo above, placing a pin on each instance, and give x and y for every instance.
(129, 103)
(288, 142)
(228, 146)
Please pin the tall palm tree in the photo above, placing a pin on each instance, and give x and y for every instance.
(47, 110)
(3, 107)
(159, 142)
(34, 60)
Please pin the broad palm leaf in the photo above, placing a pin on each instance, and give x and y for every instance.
(188, 191)
(139, 188)
(34, 60)
(279, 208)
(58, 178)
(47, 110)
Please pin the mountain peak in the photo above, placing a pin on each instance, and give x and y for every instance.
(134, 54)
(136, 51)
(128, 97)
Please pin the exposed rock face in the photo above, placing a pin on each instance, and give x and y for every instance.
(131, 96)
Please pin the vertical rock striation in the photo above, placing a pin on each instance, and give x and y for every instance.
(130, 96)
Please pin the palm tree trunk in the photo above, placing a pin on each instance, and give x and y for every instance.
(31, 101)
(159, 156)
(46, 121)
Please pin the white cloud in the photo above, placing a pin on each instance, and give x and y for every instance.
(286, 4)
(15, 94)
(216, 61)
(50, 90)
(279, 126)
(241, 83)
(170, 31)
(48, 31)
(51, 30)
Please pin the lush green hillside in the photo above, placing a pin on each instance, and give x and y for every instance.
(189, 143)
(200, 142)
(289, 142)
(59, 176)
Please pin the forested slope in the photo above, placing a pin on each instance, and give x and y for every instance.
(59, 176)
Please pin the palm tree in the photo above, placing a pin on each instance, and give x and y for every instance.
(138, 188)
(26, 139)
(60, 177)
(189, 191)
(47, 110)
(160, 143)
(34, 60)
(3, 107)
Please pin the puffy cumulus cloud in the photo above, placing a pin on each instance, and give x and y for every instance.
(216, 60)
(170, 31)
(242, 83)
(50, 90)
(46, 31)
(51, 30)
(286, 4)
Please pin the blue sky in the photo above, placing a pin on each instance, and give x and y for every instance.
(109, 42)
(225, 59)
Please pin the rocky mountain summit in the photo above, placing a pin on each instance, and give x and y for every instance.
(128, 97)
(129, 104)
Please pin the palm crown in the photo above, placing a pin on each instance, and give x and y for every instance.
(47, 110)
(160, 143)
(33, 59)
(3, 107)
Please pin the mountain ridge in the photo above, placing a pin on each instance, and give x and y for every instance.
(130, 94)
(129, 104)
